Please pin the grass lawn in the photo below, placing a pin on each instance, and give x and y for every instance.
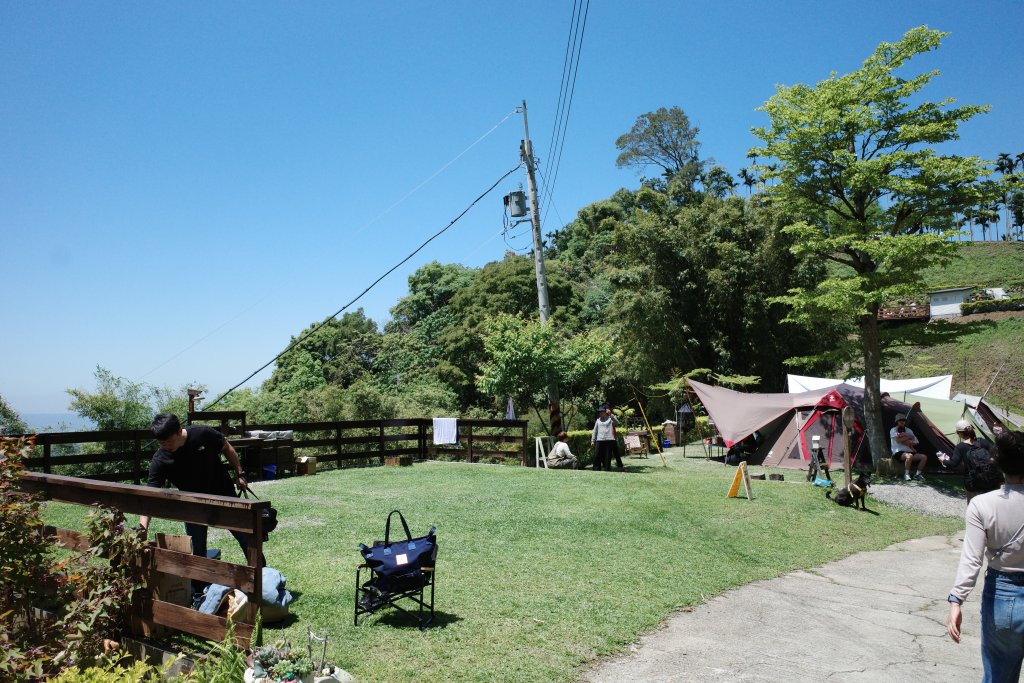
(541, 572)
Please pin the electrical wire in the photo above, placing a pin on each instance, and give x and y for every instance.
(358, 230)
(373, 284)
(570, 44)
(561, 145)
(572, 64)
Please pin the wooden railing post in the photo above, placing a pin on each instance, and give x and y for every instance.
(337, 445)
(469, 440)
(381, 428)
(46, 458)
(137, 461)
(524, 458)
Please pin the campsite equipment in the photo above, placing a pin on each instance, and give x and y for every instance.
(651, 432)
(269, 514)
(400, 569)
(788, 421)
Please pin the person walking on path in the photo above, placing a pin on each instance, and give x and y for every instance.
(903, 442)
(603, 440)
(995, 531)
(974, 455)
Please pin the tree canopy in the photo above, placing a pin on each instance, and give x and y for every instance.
(854, 155)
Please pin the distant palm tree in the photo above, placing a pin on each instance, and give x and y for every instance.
(748, 179)
(1006, 164)
(1020, 160)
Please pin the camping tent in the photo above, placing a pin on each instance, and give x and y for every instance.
(783, 425)
(930, 387)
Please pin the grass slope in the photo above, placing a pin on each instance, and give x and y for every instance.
(542, 572)
(988, 264)
(984, 346)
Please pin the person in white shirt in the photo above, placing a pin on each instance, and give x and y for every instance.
(560, 457)
(995, 531)
(903, 442)
(603, 440)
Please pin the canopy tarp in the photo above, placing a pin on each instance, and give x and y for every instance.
(746, 413)
(900, 389)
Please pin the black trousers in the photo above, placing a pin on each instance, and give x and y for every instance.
(603, 452)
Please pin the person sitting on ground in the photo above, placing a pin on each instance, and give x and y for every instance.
(560, 457)
(903, 443)
(974, 455)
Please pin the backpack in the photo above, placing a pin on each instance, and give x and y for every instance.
(982, 473)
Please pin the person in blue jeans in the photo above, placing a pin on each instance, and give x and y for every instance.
(995, 530)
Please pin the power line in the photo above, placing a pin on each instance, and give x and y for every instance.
(570, 44)
(371, 286)
(565, 122)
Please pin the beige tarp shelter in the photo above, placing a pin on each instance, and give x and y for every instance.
(782, 426)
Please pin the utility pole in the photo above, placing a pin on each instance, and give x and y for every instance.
(526, 151)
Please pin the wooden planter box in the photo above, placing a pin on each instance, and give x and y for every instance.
(397, 460)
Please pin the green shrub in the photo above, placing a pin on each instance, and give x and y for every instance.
(992, 305)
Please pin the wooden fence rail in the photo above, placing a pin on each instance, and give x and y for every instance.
(125, 454)
(224, 512)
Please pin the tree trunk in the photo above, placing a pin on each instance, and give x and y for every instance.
(878, 439)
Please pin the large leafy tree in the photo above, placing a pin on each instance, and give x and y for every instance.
(664, 138)
(855, 153)
(521, 357)
(338, 352)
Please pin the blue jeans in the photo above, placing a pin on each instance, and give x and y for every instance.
(1002, 626)
(198, 532)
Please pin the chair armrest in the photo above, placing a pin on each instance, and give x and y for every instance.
(427, 569)
(362, 565)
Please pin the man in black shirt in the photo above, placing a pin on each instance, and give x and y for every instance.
(189, 459)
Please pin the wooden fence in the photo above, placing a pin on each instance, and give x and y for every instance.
(224, 512)
(124, 455)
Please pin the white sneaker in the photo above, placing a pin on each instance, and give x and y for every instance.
(906, 476)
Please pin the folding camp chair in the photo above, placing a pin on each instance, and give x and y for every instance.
(370, 598)
(399, 570)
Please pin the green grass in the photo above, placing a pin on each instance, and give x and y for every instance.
(973, 356)
(988, 264)
(542, 572)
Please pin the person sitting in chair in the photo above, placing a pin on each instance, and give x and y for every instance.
(903, 442)
(560, 456)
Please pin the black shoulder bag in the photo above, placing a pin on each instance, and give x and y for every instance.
(398, 565)
(269, 514)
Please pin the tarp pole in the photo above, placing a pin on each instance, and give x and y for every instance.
(651, 432)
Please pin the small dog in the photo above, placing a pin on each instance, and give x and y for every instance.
(855, 494)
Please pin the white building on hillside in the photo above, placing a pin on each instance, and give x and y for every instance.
(945, 303)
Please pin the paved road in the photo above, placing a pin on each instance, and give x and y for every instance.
(872, 617)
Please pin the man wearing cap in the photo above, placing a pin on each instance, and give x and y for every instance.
(903, 443)
(975, 455)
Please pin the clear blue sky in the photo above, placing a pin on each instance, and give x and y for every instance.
(185, 185)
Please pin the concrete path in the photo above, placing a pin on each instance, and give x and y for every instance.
(873, 617)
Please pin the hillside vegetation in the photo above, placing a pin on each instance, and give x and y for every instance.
(983, 349)
(989, 264)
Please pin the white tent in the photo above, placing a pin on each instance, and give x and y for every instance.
(929, 387)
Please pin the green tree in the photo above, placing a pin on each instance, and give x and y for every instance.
(855, 154)
(506, 286)
(431, 288)
(117, 403)
(10, 421)
(666, 139)
(342, 351)
(523, 356)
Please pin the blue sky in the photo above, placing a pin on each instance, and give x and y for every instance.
(185, 185)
